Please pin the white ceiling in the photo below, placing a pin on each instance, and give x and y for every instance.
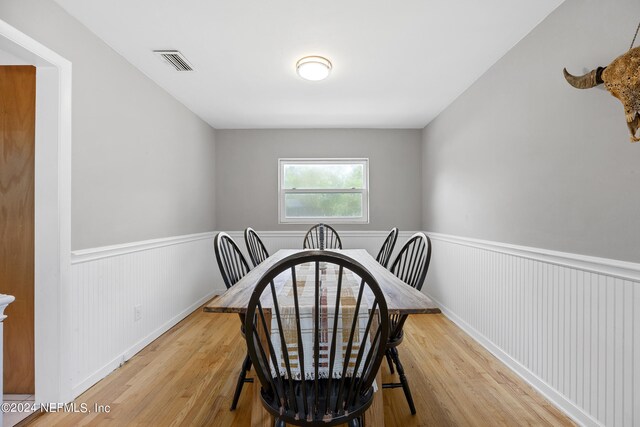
(396, 64)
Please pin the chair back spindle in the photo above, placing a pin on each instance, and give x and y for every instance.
(257, 251)
(410, 266)
(387, 247)
(233, 266)
(322, 236)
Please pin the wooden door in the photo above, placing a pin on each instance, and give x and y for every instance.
(17, 149)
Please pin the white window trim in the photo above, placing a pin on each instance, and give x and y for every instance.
(333, 220)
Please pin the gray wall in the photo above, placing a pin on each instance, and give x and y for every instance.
(7, 58)
(142, 162)
(524, 158)
(247, 173)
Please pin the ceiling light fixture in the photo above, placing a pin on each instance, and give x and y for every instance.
(313, 68)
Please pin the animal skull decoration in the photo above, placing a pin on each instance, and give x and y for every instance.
(622, 79)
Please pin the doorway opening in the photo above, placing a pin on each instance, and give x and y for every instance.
(17, 152)
(51, 213)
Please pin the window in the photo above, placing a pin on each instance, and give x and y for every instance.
(323, 190)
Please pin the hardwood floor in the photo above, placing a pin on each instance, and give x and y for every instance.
(187, 377)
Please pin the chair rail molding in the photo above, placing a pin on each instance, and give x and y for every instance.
(611, 267)
(93, 254)
(566, 323)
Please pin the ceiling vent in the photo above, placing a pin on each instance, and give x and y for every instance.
(175, 59)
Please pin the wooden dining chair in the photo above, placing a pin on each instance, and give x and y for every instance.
(336, 387)
(411, 267)
(387, 247)
(233, 267)
(322, 236)
(257, 251)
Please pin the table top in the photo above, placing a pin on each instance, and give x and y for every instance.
(401, 298)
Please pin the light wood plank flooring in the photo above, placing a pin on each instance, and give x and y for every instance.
(187, 377)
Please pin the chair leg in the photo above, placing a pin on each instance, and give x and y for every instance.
(242, 378)
(403, 379)
(247, 364)
(356, 422)
(389, 361)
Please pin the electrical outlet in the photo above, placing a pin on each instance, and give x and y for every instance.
(137, 313)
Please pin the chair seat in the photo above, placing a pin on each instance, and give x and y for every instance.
(396, 341)
(396, 332)
(273, 405)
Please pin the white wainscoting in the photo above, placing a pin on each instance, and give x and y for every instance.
(168, 278)
(568, 324)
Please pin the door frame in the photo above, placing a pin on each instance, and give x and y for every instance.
(52, 286)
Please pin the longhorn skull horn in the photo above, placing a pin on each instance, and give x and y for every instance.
(592, 79)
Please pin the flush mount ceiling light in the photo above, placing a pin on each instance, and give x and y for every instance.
(313, 68)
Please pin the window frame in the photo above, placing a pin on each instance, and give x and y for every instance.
(282, 192)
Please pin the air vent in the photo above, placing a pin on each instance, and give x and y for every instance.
(175, 59)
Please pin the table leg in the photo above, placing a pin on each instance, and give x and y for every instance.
(260, 417)
(374, 416)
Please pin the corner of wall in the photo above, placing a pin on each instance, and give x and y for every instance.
(215, 179)
(423, 177)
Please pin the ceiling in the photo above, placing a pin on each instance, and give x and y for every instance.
(395, 64)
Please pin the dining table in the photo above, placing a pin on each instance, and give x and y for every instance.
(401, 299)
